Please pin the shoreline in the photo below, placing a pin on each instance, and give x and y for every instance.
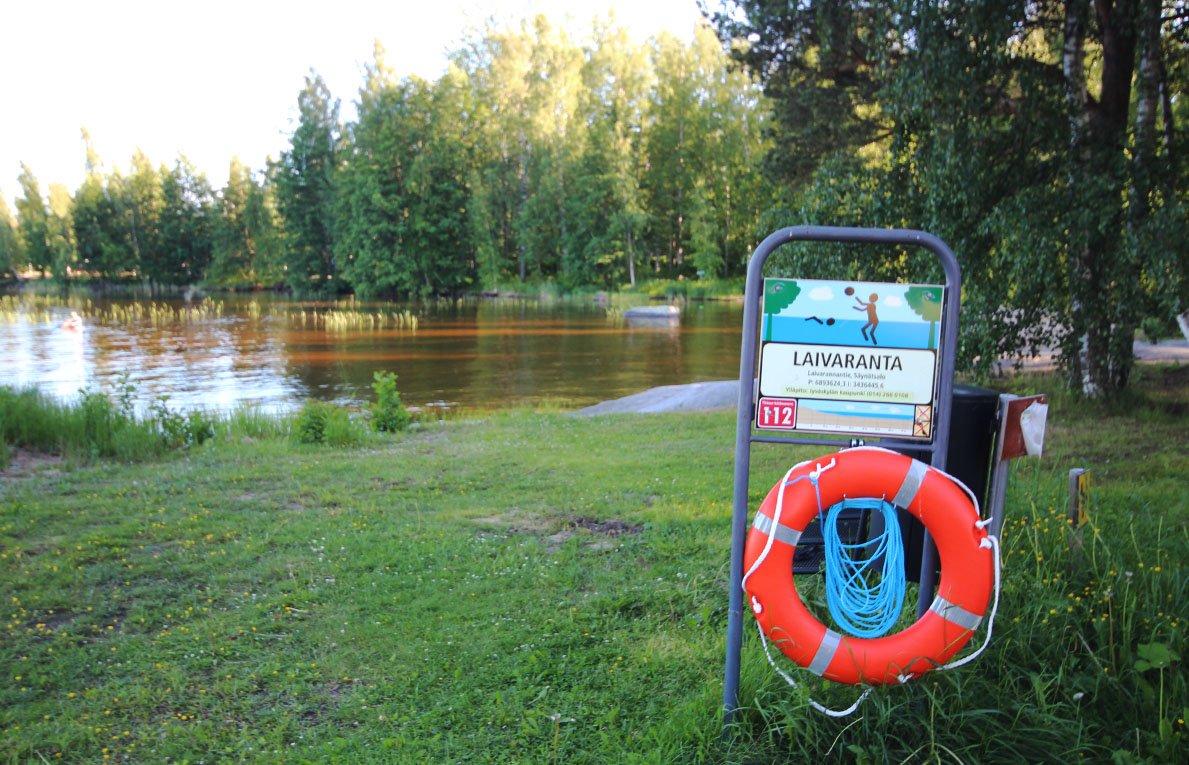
(723, 394)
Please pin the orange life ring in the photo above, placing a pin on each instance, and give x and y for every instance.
(929, 494)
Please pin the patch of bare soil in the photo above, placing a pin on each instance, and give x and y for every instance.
(516, 523)
(25, 463)
(612, 527)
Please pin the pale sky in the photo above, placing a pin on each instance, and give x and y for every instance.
(220, 78)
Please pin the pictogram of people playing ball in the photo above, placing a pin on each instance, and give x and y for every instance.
(872, 316)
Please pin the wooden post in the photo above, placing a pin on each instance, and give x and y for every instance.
(1079, 506)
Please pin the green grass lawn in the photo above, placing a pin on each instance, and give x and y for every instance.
(534, 587)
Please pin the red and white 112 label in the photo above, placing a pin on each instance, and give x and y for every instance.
(776, 414)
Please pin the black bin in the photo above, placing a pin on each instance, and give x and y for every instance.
(973, 429)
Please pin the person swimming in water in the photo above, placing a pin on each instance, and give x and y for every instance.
(872, 316)
(74, 323)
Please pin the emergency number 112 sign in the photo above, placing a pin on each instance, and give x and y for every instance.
(777, 414)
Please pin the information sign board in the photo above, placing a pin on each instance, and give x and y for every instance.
(849, 358)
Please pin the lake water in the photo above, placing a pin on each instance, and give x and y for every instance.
(276, 355)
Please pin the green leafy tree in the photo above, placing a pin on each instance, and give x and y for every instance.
(262, 224)
(11, 257)
(305, 189)
(403, 190)
(675, 144)
(525, 94)
(730, 193)
(388, 412)
(822, 66)
(481, 226)
(439, 232)
(97, 229)
(244, 236)
(60, 233)
(33, 226)
(185, 226)
(703, 153)
(705, 253)
(371, 199)
(607, 215)
(139, 200)
(231, 243)
(493, 67)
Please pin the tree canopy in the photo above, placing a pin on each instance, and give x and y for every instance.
(535, 157)
(1041, 140)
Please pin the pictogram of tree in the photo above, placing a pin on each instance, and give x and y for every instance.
(926, 302)
(779, 294)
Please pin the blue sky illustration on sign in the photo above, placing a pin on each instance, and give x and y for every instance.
(852, 313)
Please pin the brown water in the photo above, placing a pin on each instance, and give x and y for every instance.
(484, 354)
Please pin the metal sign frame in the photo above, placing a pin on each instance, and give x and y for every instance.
(745, 431)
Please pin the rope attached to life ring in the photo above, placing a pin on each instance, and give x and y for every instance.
(862, 607)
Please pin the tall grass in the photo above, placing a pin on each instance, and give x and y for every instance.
(35, 308)
(249, 423)
(102, 425)
(99, 426)
(159, 314)
(93, 428)
(338, 320)
(344, 316)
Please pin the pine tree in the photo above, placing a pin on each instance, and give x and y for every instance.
(305, 191)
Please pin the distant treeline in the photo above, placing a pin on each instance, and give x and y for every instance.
(533, 158)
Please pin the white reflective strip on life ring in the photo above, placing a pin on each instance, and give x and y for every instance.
(955, 614)
(825, 652)
(911, 484)
(786, 534)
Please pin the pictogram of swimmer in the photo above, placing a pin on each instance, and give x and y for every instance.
(872, 316)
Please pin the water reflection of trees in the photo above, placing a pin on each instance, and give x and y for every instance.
(477, 353)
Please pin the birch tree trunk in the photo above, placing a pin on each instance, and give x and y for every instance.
(1073, 66)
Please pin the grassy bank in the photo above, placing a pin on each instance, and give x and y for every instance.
(531, 587)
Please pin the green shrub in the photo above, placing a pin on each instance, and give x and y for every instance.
(311, 422)
(342, 429)
(171, 424)
(200, 427)
(321, 423)
(388, 413)
(178, 430)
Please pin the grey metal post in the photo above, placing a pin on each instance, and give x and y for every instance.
(1000, 472)
(743, 424)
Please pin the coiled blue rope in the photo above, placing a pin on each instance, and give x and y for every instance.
(862, 608)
